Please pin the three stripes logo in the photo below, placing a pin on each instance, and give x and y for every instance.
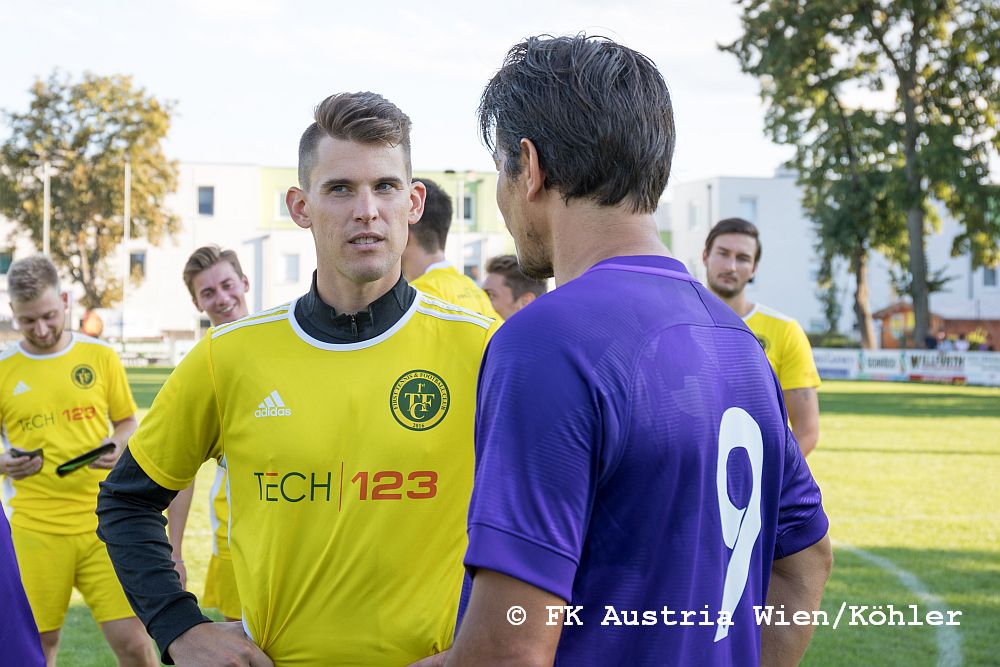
(272, 406)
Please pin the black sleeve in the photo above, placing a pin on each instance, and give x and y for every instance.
(131, 523)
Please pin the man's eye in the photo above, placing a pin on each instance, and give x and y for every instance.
(384, 187)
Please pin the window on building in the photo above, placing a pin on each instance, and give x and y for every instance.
(989, 277)
(692, 215)
(283, 213)
(748, 209)
(468, 207)
(291, 268)
(137, 264)
(206, 200)
(6, 259)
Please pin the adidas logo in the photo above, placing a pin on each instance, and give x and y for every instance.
(272, 406)
(21, 388)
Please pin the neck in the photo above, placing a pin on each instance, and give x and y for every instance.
(738, 303)
(346, 296)
(416, 260)
(583, 234)
(63, 343)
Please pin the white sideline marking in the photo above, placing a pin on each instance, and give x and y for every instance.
(949, 642)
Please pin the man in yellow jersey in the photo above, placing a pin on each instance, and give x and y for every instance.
(508, 288)
(61, 394)
(731, 256)
(218, 288)
(424, 264)
(344, 419)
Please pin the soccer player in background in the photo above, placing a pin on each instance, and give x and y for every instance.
(731, 257)
(62, 394)
(508, 288)
(631, 445)
(424, 265)
(218, 288)
(345, 422)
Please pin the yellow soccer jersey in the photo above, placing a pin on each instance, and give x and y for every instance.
(786, 346)
(447, 284)
(350, 471)
(62, 403)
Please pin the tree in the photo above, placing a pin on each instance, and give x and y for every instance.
(824, 63)
(87, 131)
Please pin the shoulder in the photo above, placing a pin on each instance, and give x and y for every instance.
(11, 351)
(88, 344)
(251, 324)
(766, 312)
(450, 314)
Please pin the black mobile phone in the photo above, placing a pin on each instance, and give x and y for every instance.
(30, 453)
(84, 459)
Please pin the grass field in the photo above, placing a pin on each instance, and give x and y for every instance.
(911, 482)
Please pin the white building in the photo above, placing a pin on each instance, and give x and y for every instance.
(242, 207)
(786, 278)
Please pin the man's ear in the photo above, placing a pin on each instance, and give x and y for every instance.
(246, 284)
(418, 194)
(531, 170)
(525, 299)
(704, 257)
(297, 202)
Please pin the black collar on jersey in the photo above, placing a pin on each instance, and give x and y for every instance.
(323, 322)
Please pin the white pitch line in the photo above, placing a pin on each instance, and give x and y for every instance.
(949, 642)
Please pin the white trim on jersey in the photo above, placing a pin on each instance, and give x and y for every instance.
(348, 347)
(248, 322)
(769, 312)
(464, 314)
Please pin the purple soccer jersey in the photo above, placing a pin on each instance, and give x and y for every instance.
(19, 641)
(633, 458)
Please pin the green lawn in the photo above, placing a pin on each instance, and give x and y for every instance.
(910, 475)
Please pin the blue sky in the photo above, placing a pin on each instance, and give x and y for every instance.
(245, 74)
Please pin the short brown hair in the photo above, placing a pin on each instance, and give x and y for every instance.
(27, 278)
(513, 276)
(365, 118)
(206, 257)
(431, 232)
(734, 226)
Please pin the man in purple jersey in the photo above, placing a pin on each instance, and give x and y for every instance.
(19, 640)
(637, 490)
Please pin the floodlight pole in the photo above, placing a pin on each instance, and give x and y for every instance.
(126, 259)
(46, 207)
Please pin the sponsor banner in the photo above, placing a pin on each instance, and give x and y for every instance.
(983, 368)
(837, 364)
(934, 366)
(980, 368)
(886, 365)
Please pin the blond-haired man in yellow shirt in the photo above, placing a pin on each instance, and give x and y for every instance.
(61, 395)
(731, 256)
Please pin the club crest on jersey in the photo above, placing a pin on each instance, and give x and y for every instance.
(764, 342)
(83, 376)
(419, 400)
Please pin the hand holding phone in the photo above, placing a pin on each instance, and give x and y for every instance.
(18, 463)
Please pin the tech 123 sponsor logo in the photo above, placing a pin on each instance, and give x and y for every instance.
(327, 487)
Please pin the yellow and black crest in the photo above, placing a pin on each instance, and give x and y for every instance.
(83, 376)
(419, 400)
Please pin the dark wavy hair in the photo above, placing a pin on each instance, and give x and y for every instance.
(599, 114)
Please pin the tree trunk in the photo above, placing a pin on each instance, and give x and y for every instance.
(863, 314)
(914, 213)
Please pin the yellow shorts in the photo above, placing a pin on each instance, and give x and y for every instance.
(51, 565)
(220, 588)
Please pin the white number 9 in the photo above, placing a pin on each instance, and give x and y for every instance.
(740, 526)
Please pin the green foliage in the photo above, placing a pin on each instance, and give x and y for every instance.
(87, 130)
(888, 104)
